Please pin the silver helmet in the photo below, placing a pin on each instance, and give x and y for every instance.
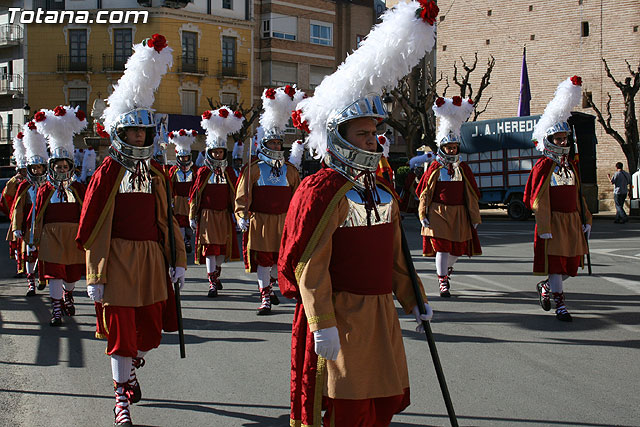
(275, 158)
(450, 138)
(58, 154)
(138, 117)
(212, 163)
(553, 151)
(342, 156)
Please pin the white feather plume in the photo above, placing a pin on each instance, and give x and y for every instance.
(388, 53)
(277, 111)
(59, 129)
(218, 126)
(35, 143)
(451, 116)
(19, 151)
(567, 96)
(88, 165)
(182, 142)
(420, 160)
(137, 86)
(297, 150)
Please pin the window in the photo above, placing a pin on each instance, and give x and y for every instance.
(316, 74)
(530, 8)
(321, 33)
(532, 37)
(227, 4)
(359, 39)
(122, 43)
(587, 97)
(229, 99)
(78, 50)
(78, 98)
(442, 18)
(189, 102)
(280, 26)
(635, 28)
(487, 41)
(489, 12)
(189, 51)
(48, 4)
(585, 29)
(276, 73)
(444, 47)
(229, 54)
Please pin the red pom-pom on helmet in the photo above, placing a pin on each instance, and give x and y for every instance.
(157, 42)
(100, 130)
(428, 11)
(182, 132)
(270, 93)
(470, 101)
(439, 101)
(290, 90)
(224, 113)
(40, 116)
(20, 135)
(206, 115)
(59, 111)
(576, 80)
(457, 101)
(31, 125)
(296, 117)
(238, 114)
(80, 115)
(171, 135)
(194, 133)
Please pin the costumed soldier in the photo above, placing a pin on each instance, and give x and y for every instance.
(183, 175)
(124, 228)
(341, 254)
(8, 196)
(264, 192)
(212, 198)
(236, 157)
(22, 212)
(58, 206)
(552, 192)
(448, 194)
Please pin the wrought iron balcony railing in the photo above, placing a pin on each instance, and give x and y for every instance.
(193, 65)
(113, 62)
(11, 34)
(68, 63)
(11, 84)
(236, 69)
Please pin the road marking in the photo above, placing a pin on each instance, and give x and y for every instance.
(632, 285)
(491, 282)
(610, 252)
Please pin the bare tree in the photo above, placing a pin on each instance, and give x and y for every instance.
(466, 90)
(416, 93)
(630, 142)
(250, 115)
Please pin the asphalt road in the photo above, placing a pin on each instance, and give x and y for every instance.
(507, 362)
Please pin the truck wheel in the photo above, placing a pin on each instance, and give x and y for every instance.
(517, 210)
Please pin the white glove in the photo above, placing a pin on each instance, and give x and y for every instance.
(586, 228)
(17, 234)
(177, 275)
(95, 292)
(243, 224)
(193, 224)
(420, 317)
(475, 226)
(546, 236)
(31, 248)
(327, 343)
(424, 222)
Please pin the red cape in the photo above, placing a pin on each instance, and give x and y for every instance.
(202, 177)
(537, 179)
(6, 200)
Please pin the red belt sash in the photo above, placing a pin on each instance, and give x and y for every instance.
(182, 188)
(563, 198)
(449, 192)
(62, 212)
(215, 197)
(134, 217)
(355, 267)
(270, 199)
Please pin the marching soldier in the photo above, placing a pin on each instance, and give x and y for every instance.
(183, 175)
(8, 196)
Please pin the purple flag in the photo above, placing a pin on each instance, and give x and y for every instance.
(525, 90)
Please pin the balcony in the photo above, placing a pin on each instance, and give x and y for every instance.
(7, 132)
(11, 84)
(75, 64)
(11, 35)
(193, 65)
(113, 63)
(237, 70)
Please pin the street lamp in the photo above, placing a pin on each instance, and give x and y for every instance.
(388, 102)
